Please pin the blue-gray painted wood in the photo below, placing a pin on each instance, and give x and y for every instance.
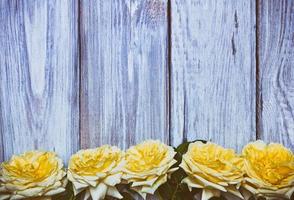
(213, 71)
(125, 77)
(127, 84)
(123, 72)
(39, 84)
(276, 63)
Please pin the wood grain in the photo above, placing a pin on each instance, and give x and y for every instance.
(276, 57)
(123, 66)
(39, 76)
(213, 71)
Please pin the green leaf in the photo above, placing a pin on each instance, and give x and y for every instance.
(173, 189)
(218, 198)
(126, 191)
(127, 196)
(68, 194)
(183, 148)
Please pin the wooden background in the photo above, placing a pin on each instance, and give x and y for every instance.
(78, 74)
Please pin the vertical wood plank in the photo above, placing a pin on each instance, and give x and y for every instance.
(276, 58)
(213, 71)
(39, 76)
(123, 66)
(1, 143)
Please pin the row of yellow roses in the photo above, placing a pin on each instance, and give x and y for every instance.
(261, 170)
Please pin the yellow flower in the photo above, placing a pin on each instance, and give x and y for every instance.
(96, 171)
(270, 170)
(148, 165)
(213, 169)
(34, 174)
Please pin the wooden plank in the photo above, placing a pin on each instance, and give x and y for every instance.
(213, 71)
(123, 66)
(39, 76)
(1, 143)
(276, 58)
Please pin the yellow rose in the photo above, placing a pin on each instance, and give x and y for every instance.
(270, 170)
(148, 165)
(213, 169)
(34, 174)
(96, 171)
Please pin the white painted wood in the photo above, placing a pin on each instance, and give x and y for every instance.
(276, 52)
(39, 76)
(213, 71)
(124, 72)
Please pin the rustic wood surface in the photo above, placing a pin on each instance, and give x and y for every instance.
(276, 76)
(39, 84)
(213, 71)
(123, 72)
(78, 74)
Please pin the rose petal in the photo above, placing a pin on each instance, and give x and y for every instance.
(147, 182)
(207, 194)
(192, 183)
(55, 191)
(78, 187)
(87, 195)
(153, 188)
(112, 180)
(113, 192)
(4, 196)
(233, 190)
(31, 192)
(99, 192)
(16, 197)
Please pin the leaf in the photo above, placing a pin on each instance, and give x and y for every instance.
(183, 148)
(68, 194)
(218, 198)
(126, 191)
(127, 196)
(173, 189)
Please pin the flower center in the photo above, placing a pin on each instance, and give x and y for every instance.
(212, 156)
(31, 168)
(271, 170)
(273, 164)
(145, 157)
(92, 162)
